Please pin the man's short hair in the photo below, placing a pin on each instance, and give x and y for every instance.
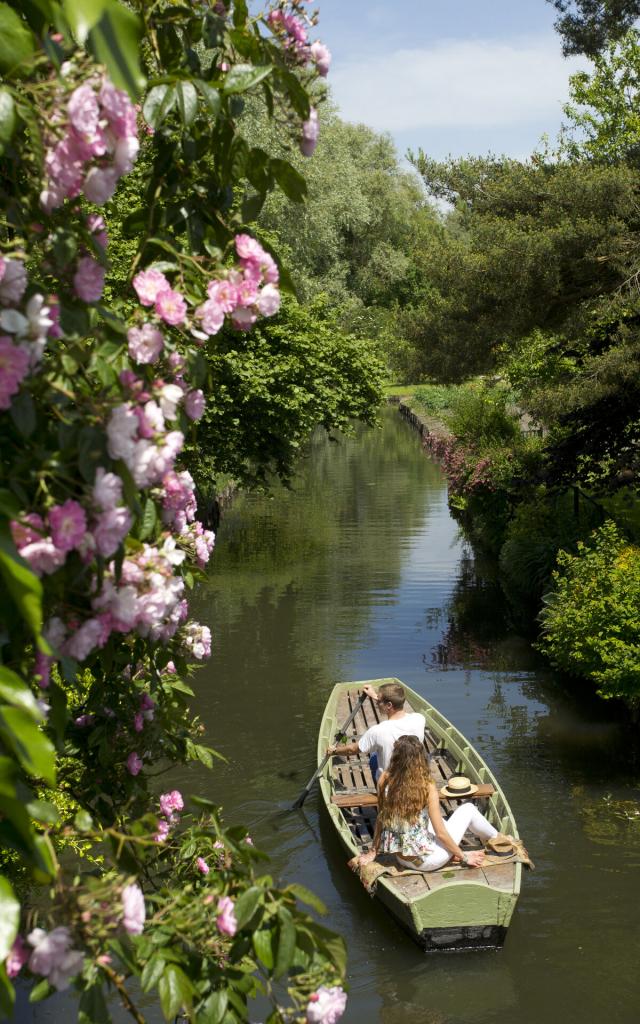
(393, 693)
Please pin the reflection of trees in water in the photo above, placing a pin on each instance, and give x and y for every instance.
(475, 618)
(609, 821)
(297, 573)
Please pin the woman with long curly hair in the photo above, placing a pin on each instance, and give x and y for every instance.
(410, 822)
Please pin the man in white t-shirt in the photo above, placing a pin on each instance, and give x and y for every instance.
(378, 741)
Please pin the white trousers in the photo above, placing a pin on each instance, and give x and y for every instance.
(466, 816)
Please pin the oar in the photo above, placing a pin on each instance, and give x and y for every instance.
(305, 792)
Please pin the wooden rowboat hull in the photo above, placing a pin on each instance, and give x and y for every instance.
(450, 909)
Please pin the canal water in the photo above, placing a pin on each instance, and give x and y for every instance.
(358, 571)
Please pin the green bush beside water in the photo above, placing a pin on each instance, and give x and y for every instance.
(591, 621)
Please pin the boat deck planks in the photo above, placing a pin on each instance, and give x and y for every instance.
(352, 777)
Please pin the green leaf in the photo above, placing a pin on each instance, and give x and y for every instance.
(7, 117)
(240, 13)
(8, 774)
(93, 1006)
(306, 896)
(247, 904)
(83, 821)
(33, 749)
(43, 812)
(152, 972)
(17, 43)
(9, 917)
(115, 42)
(289, 179)
(187, 102)
(23, 585)
(244, 76)
(82, 15)
(159, 102)
(9, 504)
(23, 413)
(286, 943)
(213, 1010)
(262, 944)
(149, 520)
(210, 95)
(40, 991)
(15, 691)
(7, 994)
(251, 207)
(175, 991)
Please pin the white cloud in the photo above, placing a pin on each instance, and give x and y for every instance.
(471, 83)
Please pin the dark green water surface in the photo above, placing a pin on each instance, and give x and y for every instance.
(359, 572)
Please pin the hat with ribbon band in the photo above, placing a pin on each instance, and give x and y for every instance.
(458, 786)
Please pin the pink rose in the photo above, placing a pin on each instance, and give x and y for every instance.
(13, 282)
(88, 280)
(134, 763)
(43, 556)
(83, 109)
(211, 315)
(107, 489)
(194, 404)
(17, 958)
(133, 909)
(148, 283)
(171, 307)
(202, 865)
(321, 55)
(110, 530)
(243, 318)
(171, 803)
(226, 918)
(100, 184)
(68, 524)
(14, 365)
(145, 343)
(91, 634)
(310, 133)
(224, 294)
(268, 301)
(326, 1005)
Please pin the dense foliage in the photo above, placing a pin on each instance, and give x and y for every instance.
(590, 622)
(587, 26)
(105, 372)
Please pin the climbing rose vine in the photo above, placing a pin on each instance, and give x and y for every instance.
(101, 390)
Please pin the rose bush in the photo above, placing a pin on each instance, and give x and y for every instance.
(99, 538)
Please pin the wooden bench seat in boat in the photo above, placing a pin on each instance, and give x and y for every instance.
(369, 799)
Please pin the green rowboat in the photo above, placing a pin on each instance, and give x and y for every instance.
(451, 909)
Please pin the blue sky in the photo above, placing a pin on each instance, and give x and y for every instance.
(450, 76)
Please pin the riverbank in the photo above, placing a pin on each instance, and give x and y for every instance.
(570, 572)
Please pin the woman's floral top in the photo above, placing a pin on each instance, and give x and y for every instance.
(409, 839)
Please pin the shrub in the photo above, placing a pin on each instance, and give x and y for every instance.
(591, 622)
(540, 527)
(480, 417)
(435, 398)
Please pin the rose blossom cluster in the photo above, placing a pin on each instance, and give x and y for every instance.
(88, 280)
(137, 434)
(147, 597)
(23, 344)
(249, 290)
(293, 33)
(170, 806)
(53, 956)
(46, 546)
(225, 917)
(326, 1005)
(196, 640)
(133, 909)
(99, 144)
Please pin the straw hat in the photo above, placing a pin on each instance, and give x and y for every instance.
(459, 786)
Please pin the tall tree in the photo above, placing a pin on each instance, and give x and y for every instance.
(587, 26)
